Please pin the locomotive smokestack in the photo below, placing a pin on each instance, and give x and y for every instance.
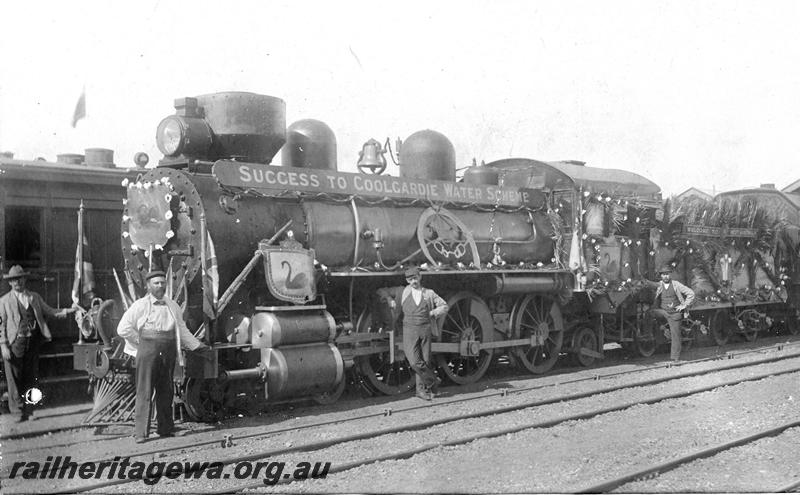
(246, 126)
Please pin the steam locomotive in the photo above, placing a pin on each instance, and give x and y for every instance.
(278, 267)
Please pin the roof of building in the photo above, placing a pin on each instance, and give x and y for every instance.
(794, 187)
(695, 191)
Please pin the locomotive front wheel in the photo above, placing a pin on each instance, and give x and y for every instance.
(332, 396)
(584, 338)
(380, 373)
(468, 319)
(539, 317)
(721, 327)
(204, 399)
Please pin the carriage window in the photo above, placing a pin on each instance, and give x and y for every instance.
(23, 236)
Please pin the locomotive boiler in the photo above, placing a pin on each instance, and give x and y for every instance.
(278, 266)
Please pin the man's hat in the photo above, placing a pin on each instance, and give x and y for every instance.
(155, 273)
(15, 272)
(665, 269)
(412, 272)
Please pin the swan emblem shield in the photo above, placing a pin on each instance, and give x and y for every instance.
(290, 274)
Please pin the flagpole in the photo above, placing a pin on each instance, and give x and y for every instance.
(204, 274)
(79, 262)
(80, 251)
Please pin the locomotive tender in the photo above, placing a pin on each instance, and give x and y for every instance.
(278, 266)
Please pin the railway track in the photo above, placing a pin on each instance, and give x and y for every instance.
(429, 424)
(663, 467)
(92, 436)
(386, 411)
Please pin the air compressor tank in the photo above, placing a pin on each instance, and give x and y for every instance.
(428, 155)
(309, 144)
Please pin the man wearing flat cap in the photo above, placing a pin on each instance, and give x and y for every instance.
(23, 329)
(150, 328)
(420, 308)
(671, 300)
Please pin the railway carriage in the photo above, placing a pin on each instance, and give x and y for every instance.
(39, 204)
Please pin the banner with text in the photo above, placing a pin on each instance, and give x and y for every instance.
(250, 175)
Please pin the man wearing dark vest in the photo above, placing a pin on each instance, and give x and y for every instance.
(420, 308)
(671, 300)
(149, 328)
(22, 330)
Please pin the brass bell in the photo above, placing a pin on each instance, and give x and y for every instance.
(371, 159)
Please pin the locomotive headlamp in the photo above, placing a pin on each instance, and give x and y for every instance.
(189, 136)
(170, 136)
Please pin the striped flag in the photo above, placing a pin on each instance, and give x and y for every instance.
(80, 109)
(84, 272)
(209, 271)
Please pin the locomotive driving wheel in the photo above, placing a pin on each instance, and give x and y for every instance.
(468, 321)
(537, 318)
(380, 374)
(204, 399)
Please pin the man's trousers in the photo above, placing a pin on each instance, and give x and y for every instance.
(21, 371)
(155, 365)
(674, 320)
(417, 347)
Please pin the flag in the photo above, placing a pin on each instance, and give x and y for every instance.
(210, 279)
(84, 273)
(80, 108)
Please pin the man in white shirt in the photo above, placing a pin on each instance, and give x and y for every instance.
(23, 329)
(149, 328)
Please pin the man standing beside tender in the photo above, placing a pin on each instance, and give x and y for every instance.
(149, 328)
(22, 330)
(671, 300)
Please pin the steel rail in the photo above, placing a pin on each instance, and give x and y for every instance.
(405, 454)
(731, 355)
(540, 402)
(322, 444)
(663, 467)
(791, 487)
